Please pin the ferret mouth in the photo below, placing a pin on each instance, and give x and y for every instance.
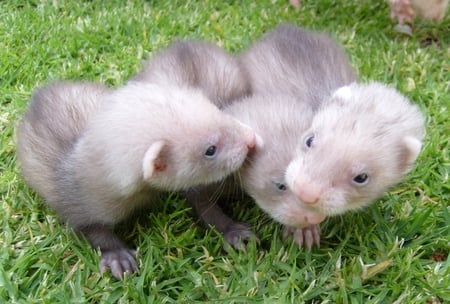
(302, 217)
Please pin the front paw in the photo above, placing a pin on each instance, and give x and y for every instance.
(307, 236)
(237, 234)
(120, 261)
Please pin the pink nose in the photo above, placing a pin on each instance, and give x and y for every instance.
(307, 191)
(251, 142)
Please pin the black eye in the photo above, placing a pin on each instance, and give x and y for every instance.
(361, 179)
(309, 141)
(281, 186)
(211, 151)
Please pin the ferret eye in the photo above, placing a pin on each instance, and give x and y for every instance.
(309, 140)
(281, 186)
(211, 151)
(361, 179)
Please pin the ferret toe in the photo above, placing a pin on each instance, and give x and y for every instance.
(119, 261)
(304, 237)
(238, 234)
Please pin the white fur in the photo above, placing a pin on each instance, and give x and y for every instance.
(344, 92)
(376, 131)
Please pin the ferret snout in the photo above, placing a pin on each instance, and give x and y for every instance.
(306, 190)
(251, 141)
(250, 136)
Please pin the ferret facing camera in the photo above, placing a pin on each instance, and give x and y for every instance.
(361, 142)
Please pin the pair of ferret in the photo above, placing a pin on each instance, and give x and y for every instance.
(324, 145)
(331, 144)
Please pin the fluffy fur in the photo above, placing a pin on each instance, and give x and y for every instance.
(56, 116)
(291, 72)
(96, 155)
(201, 65)
(360, 143)
(294, 61)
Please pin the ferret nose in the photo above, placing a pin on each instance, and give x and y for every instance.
(306, 191)
(251, 141)
(249, 135)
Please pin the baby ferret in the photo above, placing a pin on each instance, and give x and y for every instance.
(293, 61)
(201, 65)
(96, 155)
(291, 71)
(362, 141)
(405, 10)
(279, 120)
(306, 45)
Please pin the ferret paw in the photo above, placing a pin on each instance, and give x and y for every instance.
(237, 234)
(120, 261)
(307, 236)
(402, 10)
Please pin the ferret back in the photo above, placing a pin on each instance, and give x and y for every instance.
(56, 116)
(291, 60)
(200, 65)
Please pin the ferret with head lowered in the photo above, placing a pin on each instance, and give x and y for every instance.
(96, 154)
(291, 72)
(362, 141)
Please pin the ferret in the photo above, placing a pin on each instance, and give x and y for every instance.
(361, 142)
(405, 10)
(293, 61)
(201, 65)
(291, 71)
(96, 154)
(279, 120)
(56, 116)
(310, 174)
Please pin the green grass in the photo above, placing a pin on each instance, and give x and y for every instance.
(396, 251)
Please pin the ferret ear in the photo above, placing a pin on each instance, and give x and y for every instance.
(410, 150)
(153, 162)
(344, 93)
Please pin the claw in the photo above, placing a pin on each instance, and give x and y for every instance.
(307, 236)
(119, 261)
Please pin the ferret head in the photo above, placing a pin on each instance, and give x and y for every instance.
(195, 143)
(360, 143)
(279, 121)
(168, 137)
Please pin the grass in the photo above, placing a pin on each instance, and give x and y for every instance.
(395, 251)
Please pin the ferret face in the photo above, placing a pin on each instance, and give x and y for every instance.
(201, 145)
(279, 121)
(166, 137)
(360, 143)
(263, 179)
(209, 152)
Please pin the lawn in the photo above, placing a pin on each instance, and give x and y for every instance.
(395, 251)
